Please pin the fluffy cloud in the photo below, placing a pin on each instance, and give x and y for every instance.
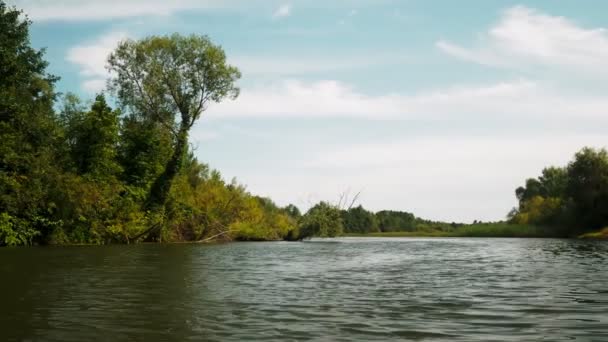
(553, 52)
(516, 99)
(524, 37)
(91, 58)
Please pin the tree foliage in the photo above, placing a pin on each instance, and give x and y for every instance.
(87, 173)
(29, 132)
(323, 220)
(572, 199)
(396, 221)
(358, 220)
(92, 138)
(171, 80)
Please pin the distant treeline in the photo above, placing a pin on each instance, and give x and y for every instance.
(358, 220)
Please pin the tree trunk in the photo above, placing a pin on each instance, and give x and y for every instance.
(159, 193)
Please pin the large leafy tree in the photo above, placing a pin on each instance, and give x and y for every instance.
(26, 94)
(588, 187)
(171, 80)
(28, 130)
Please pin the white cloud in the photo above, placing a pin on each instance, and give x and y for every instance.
(305, 65)
(516, 99)
(295, 98)
(524, 37)
(91, 58)
(41, 10)
(282, 12)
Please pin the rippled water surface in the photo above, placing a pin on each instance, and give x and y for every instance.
(351, 289)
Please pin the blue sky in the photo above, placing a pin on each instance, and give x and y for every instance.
(441, 108)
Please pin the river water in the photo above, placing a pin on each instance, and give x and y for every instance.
(349, 289)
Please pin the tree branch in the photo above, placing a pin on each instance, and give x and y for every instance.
(354, 200)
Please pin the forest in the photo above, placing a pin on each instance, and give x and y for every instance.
(73, 172)
(119, 169)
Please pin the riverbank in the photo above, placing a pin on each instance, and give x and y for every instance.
(474, 230)
(484, 230)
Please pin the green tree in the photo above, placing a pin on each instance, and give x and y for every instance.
(540, 210)
(171, 80)
(392, 221)
(144, 150)
(567, 200)
(532, 189)
(293, 211)
(359, 220)
(554, 181)
(322, 220)
(28, 131)
(588, 187)
(93, 139)
(27, 125)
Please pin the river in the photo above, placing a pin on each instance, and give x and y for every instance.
(348, 289)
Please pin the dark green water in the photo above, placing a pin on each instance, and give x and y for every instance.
(353, 289)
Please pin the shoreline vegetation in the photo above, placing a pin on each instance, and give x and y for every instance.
(484, 232)
(119, 169)
(501, 229)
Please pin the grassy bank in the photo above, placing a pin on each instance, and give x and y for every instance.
(473, 230)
